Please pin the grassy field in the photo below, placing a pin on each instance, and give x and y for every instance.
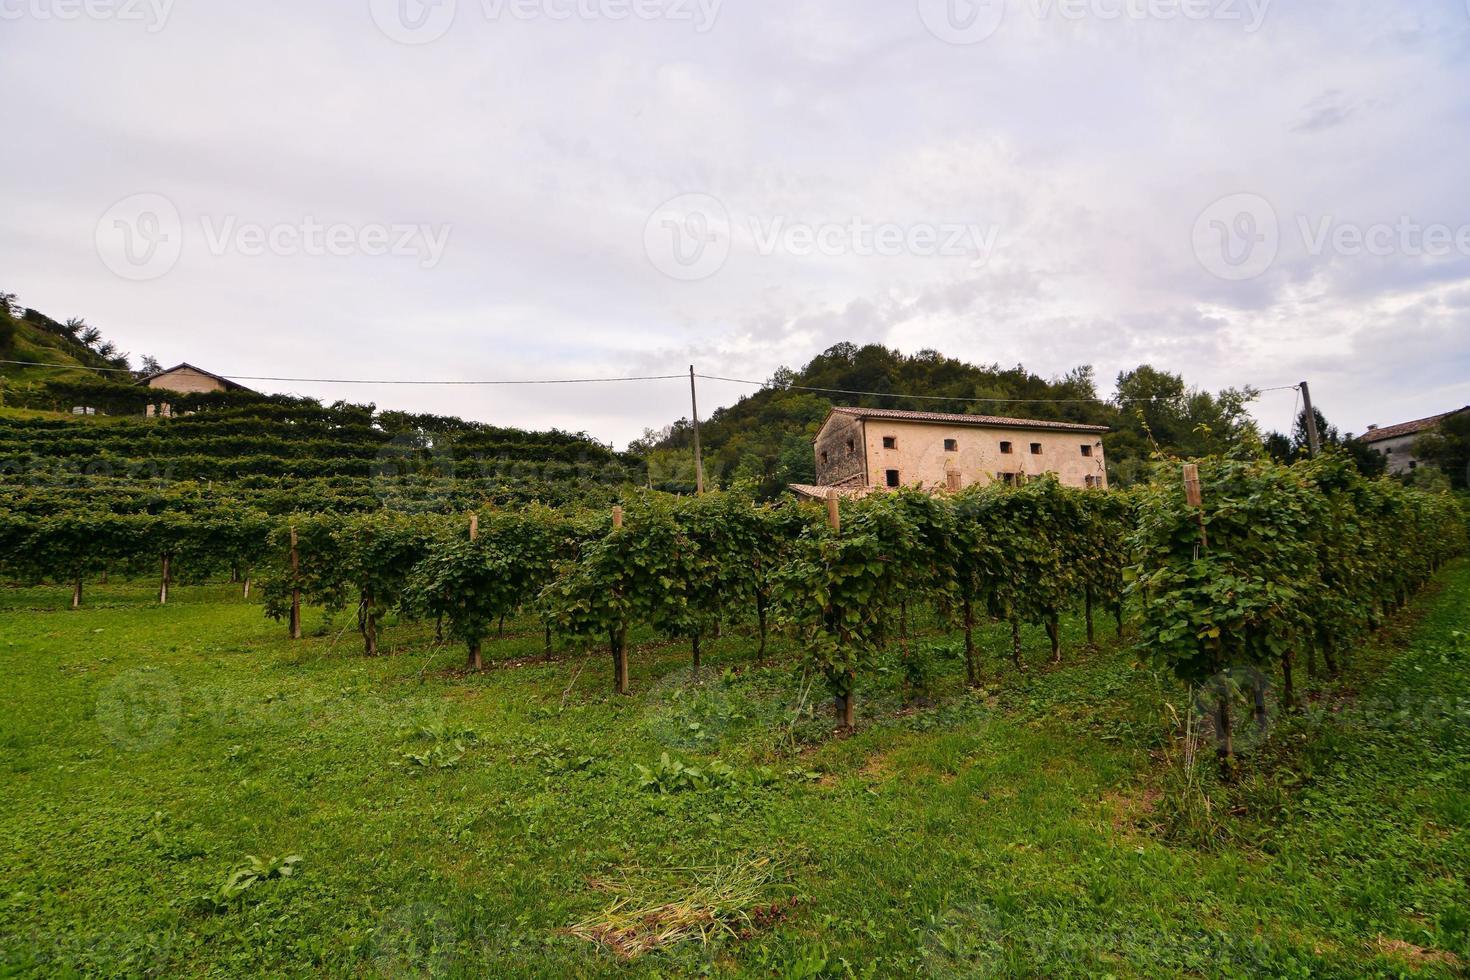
(495, 824)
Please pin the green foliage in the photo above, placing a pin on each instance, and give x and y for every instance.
(248, 874)
(1280, 560)
(670, 775)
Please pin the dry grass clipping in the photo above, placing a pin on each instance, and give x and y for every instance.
(706, 903)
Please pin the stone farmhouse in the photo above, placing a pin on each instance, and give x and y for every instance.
(863, 449)
(1397, 441)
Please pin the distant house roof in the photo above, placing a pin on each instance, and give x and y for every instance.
(229, 385)
(1407, 428)
(986, 421)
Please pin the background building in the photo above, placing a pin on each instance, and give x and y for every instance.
(859, 449)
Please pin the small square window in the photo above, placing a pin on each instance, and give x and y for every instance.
(1007, 448)
(824, 456)
(892, 478)
(851, 447)
(1087, 450)
(951, 445)
(890, 442)
(1036, 449)
(1009, 479)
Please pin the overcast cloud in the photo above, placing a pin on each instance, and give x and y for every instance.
(541, 189)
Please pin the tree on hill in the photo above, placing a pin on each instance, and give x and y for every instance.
(766, 436)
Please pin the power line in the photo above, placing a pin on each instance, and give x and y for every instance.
(636, 378)
(365, 381)
(945, 398)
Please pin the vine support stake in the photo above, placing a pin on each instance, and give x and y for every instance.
(474, 527)
(1194, 496)
(295, 588)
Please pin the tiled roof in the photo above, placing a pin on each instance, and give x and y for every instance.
(1407, 428)
(993, 421)
(186, 366)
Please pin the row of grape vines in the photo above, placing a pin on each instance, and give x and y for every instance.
(1267, 564)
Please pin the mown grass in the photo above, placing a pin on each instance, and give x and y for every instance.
(1010, 831)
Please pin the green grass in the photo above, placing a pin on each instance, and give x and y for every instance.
(1004, 832)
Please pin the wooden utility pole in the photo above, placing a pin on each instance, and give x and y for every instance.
(1314, 439)
(698, 455)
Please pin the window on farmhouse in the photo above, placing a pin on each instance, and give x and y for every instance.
(890, 442)
(851, 447)
(1036, 449)
(951, 445)
(1009, 479)
(1086, 450)
(1007, 448)
(892, 478)
(824, 456)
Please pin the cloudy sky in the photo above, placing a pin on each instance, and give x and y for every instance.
(1243, 191)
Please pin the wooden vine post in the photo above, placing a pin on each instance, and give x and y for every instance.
(842, 705)
(164, 580)
(620, 636)
(477, 661)
(295, 587)
(1224, 737)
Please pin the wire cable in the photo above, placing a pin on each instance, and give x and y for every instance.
(945, 398)
(364, 381)
(637, 378)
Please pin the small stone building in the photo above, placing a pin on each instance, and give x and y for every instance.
(1397, 441)
(861, 449)
(187, 379)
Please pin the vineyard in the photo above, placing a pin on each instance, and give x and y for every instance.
(407, 695)
(1245, 568)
